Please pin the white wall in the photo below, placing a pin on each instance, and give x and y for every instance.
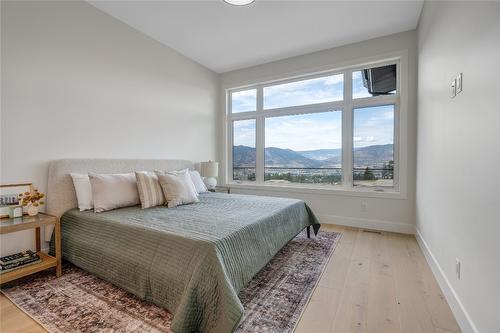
(458, 180)
(381, 213)
(79, 83)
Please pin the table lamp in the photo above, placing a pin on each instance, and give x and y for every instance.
(210, 170)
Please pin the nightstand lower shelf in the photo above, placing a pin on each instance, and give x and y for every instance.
(47, 262)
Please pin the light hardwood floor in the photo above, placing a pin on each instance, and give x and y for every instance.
(374, 283)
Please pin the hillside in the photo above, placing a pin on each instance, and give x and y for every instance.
(321, 154)
(244, 156)
(372, 154)
(288, 158)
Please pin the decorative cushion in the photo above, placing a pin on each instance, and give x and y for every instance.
(183, 171)
(83, 190)
(177, 187)
(198, 182)
(149, 188)
(111, 191)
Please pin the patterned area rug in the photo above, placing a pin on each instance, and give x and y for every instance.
(80, 302)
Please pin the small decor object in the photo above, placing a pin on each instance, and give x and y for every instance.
(18, 265)
(15, 211)
(18, 260)
(210, 170)
(32, 200)
(221, 189)
(9, 198)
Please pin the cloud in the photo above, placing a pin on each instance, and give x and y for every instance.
(245, 100)
(334, 79)
(246, 93)
(244, 133)
(312, 91)
(305, 132)
(374, 126)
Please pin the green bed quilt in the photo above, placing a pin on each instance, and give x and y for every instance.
(193, 259)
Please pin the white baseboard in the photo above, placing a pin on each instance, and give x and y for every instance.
(402, 228)
(461, 315)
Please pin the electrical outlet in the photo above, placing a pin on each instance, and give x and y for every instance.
(453, 88)
(364, 207)
(457, 268)
(459, 84)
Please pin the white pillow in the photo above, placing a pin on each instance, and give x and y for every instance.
(189, 180)
(178, 188)
(83, 191)
(112, 191)
(198, 182)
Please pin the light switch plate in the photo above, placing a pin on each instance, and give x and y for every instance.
(459, 84)
(453, 88)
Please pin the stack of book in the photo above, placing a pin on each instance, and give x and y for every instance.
(18, 260)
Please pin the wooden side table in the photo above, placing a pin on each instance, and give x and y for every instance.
(9, 225)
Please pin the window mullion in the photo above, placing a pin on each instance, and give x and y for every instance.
(260, 140)
(396, 146)
(347, 132)
(230, 171)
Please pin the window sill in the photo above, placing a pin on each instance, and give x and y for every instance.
(339, 191)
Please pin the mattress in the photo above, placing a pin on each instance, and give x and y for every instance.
(193, 259)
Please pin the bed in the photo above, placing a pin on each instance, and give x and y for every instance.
(192, 259)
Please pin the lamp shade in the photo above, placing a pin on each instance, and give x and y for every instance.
(209, 169)
(239, 2)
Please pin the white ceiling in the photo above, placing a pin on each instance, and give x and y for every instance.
(223, 37)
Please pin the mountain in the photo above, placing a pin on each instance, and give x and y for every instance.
(244, 156)
(288, 158)
(372, 155)
(321, 154)
(332, 162)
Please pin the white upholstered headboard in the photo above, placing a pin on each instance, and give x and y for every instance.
(60, 190)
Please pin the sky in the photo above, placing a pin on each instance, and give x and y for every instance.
(305, 132)
(372, 125)
(312, 91)
(243, 101)
(244, 133)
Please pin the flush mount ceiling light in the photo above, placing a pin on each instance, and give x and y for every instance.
(239, 2)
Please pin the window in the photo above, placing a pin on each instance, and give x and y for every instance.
(296, 154)
(373, 146)
(244, 161)
(313, 91)
(243, 101)
(331, 130)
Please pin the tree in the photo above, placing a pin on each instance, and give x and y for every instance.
(368, 174)
(388, 172)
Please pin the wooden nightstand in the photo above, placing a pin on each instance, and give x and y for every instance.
(33, 222)
(221, 189)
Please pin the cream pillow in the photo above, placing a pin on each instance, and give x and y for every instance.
(177, 187)
(111, 191)
(189, 179)
(149, 188)
(83, 191)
